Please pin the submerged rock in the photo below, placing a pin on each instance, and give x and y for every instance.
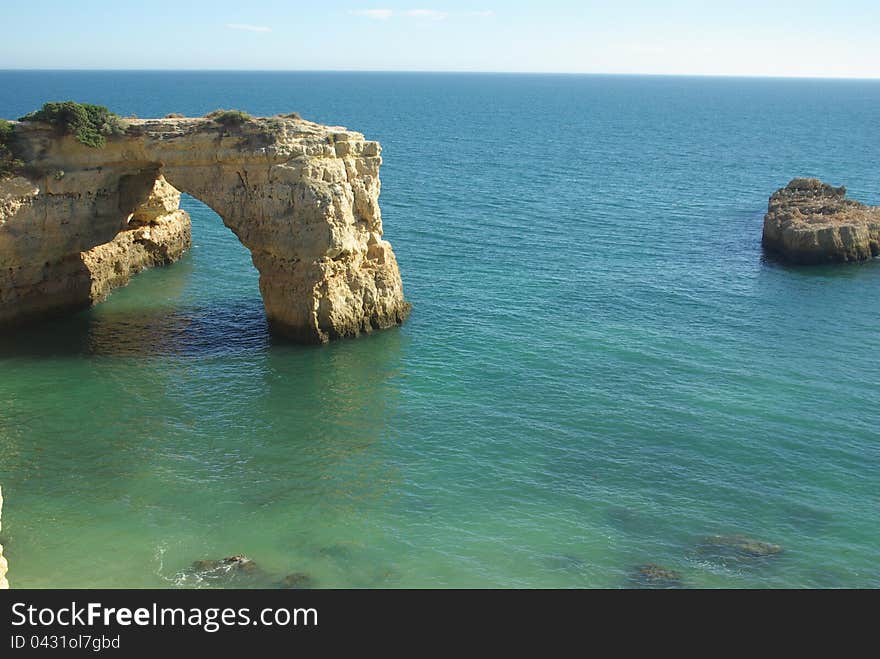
(809, 221)
(631, 521)
(566, 563)
(656, 576)
(229, 571)
(297, 581)
(337, 552)
(740, 546)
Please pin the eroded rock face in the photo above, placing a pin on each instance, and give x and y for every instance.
(4, 584)
(301, 196)
(156, 233)
(809, 221)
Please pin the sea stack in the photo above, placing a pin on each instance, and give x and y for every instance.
(78, 219)
(811, 222)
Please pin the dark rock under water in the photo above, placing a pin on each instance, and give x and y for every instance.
(297, 581)
(738, 546)
(237, 571)
(655, 576)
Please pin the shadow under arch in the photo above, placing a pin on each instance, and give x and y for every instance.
(166, 311)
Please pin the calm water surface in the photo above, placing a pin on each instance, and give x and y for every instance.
(600, 370)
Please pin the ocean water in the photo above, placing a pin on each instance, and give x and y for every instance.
(600, 371)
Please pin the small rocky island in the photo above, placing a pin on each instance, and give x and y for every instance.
(811, 222)
(87, 199)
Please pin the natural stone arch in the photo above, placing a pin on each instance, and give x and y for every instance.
(303, 198)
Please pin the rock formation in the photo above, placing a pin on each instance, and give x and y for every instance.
(157, 233)
(302, 197)
(811, 222)
(4, 567)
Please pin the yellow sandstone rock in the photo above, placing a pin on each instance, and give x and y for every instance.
(157, 233)
(809, 221)
(302, 197)
(4, 567)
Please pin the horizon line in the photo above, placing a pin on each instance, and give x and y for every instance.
(445, 71)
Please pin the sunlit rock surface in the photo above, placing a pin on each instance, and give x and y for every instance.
(302, 197)
(809, 221)
(4, 584)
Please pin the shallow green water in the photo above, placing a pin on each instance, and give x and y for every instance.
(600, 371)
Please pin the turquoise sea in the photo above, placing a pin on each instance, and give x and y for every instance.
(601, 368)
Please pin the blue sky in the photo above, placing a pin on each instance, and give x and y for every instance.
(737, 37)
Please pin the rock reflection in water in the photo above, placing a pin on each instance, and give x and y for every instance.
(187, 331)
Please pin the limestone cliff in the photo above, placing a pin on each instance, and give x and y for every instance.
(157, 233)
(4, 584)
(302, 197)
(811, 222)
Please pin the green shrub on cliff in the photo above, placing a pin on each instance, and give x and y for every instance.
(272, 127)
(89, 124)
(8, 162)
(229, 118)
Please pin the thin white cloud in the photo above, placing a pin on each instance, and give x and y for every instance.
(378, 14)
(433, 14)
(248, 28)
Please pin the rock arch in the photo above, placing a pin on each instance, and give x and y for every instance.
(302, 197)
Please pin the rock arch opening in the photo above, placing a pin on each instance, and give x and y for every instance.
(221, 265)
(222, 284)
